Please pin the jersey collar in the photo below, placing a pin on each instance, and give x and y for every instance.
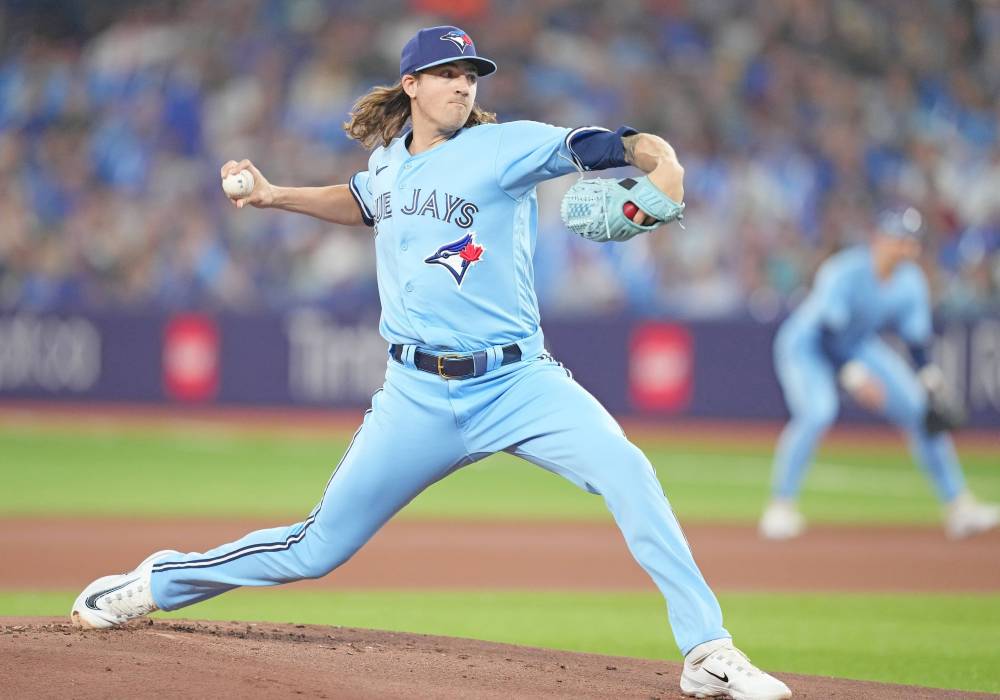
(404, 142)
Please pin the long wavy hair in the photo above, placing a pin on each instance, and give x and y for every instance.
(378, 116)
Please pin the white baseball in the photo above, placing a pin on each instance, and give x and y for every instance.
(238, 185)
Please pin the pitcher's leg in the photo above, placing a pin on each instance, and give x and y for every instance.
(551, 421)
(609, 465)
(389, 461)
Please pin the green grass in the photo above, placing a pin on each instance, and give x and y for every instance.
(199, 472)
(943, 641)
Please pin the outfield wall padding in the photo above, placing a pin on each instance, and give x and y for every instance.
(309, 357)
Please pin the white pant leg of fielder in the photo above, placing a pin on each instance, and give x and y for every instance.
(539, 413)
(407, 441)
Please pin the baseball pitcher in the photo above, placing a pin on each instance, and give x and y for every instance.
(451, 205)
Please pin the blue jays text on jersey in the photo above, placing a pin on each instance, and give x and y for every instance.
(444, 207)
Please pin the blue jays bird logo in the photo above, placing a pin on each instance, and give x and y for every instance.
(459, 39)
(458, 256)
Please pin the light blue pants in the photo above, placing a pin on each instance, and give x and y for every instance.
(421, 428)
(810, 386)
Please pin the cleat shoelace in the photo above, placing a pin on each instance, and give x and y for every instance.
(126, 604)
(740, 663)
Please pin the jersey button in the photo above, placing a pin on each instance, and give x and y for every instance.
(407, 166)
(404, 246)
(409, 286)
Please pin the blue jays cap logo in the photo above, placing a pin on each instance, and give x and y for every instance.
(458, 38)
(458, 256)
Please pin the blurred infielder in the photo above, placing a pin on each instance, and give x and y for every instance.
(453, 207)
(834, 334)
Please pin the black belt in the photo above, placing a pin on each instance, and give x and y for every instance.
(456, 366)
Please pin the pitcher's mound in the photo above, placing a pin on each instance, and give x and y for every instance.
(46, 657)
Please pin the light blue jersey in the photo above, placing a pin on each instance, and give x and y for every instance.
(455, 231)
(838, 322)
(853, 305)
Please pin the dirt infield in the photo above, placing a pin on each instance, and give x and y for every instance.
(533, 556)
(46, 658)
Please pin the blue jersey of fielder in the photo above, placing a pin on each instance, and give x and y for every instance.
(455, 231)
(849, 304)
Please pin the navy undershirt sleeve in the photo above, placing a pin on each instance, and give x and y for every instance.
(594, 148)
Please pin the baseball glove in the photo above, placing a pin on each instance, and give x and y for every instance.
(943, 415)
(593, 208)
(944, 411)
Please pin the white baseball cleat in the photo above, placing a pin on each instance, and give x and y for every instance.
(111, 601)
(965, 516)
(718, 669)
(781, 520)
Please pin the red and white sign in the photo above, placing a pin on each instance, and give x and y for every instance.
(661, 367)
(191, 358)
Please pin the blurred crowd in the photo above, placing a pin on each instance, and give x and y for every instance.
(795, 120)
